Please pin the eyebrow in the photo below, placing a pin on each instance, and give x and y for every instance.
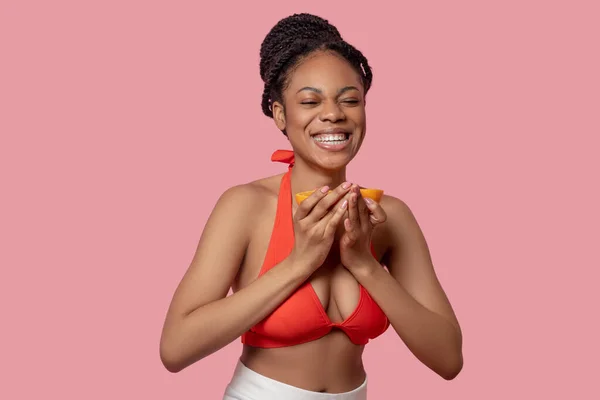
(341, 91)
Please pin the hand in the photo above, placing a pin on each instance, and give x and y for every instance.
(363, 215)
(315, 223)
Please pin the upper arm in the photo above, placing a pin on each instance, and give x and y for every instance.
(219, 253)
(409, 260)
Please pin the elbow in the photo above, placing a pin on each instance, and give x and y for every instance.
(172, 367)
(170, 352)
(454, 361)
(171, 356)
(452, 369)
(175, 356)
(451, 373)
(169, 360)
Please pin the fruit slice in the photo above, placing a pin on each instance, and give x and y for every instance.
(374, 194)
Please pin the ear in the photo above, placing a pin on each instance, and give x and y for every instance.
(278, 115)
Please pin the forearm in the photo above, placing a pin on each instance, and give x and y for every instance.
(215, 325)
(433, 339)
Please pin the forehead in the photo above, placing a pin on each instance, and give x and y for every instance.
(326, 71)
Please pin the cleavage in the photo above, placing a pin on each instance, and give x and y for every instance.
(337, 289)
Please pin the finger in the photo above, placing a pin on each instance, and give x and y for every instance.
(363, 211)
(307, 205)
(351, 233)
(336, 216)
(377, 214)
(332, 212)
(347, 241)
(353, 208)
(324, 204)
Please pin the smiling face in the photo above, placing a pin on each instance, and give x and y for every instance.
(323, 111)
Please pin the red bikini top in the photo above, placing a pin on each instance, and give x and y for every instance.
(301, 317)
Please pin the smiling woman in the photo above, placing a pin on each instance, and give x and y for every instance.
(310, 290)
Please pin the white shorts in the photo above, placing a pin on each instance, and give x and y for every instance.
(247, 384)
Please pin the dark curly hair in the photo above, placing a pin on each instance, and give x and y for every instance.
(294, 38)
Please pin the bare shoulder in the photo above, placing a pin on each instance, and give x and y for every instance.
(248, 194)
(268, 186)
(401, 226)
(396, 209)
(241, 196)
(248, 200)
(400, 218)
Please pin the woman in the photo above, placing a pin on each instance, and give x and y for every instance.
(309, 286)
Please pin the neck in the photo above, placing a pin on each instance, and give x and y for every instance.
(306, 177)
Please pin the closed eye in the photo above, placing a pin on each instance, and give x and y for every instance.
(347, 101)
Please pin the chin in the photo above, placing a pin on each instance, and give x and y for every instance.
(333, 160)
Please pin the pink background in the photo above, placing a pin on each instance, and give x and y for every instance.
(484, 118)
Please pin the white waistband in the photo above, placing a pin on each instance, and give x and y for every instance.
(247, 384)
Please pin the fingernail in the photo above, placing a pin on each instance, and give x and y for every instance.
(369, 201)
(344, 204)
(324, 189)
(346, 185)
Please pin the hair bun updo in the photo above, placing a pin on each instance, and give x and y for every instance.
(291, 39)
(296, 28)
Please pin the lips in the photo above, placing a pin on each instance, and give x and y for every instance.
(334, 139)
(331, 131)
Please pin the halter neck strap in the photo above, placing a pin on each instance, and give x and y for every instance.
(284, 156)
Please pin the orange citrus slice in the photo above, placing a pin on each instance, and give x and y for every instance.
(374, 194)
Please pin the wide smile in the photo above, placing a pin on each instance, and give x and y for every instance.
(332, 140)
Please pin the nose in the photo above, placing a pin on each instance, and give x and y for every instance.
(331, 112)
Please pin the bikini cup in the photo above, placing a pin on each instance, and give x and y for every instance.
(301, 317)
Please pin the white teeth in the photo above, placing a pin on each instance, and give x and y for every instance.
(337, 138)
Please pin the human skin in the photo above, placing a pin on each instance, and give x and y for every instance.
(323, 92)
